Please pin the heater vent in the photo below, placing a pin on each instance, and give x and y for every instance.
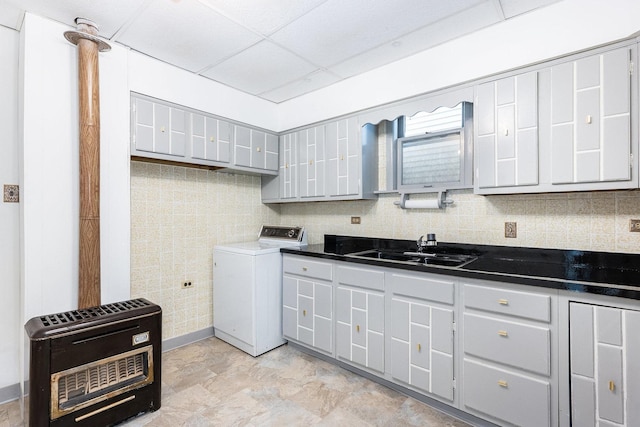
(93, 312)
(88, 384)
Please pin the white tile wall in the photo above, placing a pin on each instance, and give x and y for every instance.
(179, 214)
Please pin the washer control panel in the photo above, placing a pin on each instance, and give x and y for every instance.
(294, 234)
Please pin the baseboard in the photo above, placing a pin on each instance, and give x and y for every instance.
(189, 338)
(12, 392)
(9, 393)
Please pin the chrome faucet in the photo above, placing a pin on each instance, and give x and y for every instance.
(431, 241)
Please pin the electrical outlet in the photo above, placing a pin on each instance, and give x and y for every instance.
(187, 285)
(511, 230)
(355, 220)
(634, 225)
(11, 193)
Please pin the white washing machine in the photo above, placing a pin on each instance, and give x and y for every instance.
(247, 289)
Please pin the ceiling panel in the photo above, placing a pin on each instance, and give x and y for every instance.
(187, 33)
(260, 68)
(10, 15)
(337, 30)
(263, 16)
(513, 8)
(469, 20)
(277, 49)
(309, 83)
(109, 15)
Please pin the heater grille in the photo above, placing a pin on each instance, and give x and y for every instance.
(93, 312)
(85, 385)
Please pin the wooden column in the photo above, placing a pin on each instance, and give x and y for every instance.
(89, 125)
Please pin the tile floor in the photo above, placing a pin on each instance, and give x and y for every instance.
(210, 383)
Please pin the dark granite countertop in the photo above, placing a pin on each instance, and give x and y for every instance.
(604, 273)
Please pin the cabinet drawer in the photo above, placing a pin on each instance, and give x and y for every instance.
(513, 303)
(514, 398)
(423, 288)
(308, 268)
(523, 346)
(361, 277)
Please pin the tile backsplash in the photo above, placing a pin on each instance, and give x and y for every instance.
(178, 214)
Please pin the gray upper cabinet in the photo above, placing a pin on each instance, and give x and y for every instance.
(566, 125)
(591, 119)
(158, 129)
(288, 177)
(311, 161)
(210, 138)
(334, 161)
(343, 157)
(506, 114)
(255, 149)
(163, 131)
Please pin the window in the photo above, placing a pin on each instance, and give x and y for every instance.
(435, 152)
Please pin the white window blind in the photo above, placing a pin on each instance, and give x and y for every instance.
(441, 119)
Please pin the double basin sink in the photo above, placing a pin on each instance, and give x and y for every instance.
(416, 258)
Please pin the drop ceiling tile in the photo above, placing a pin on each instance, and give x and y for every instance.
(337, 30)
(513, 8)
(309, 83)
(187, 34)
(11, 15)
(108, 15)
(263, 16)
(260, 68)
(454, 26)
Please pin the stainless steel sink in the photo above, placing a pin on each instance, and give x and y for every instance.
(447, 260)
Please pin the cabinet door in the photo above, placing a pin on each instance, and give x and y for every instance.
(258, 149)
(360, 327)
(507, 147)
(288, 166)
(422, 346)
(343, 157)
(225, 136)
(205, 141)
(271, 152)
(605, 364)
(143, 125)
(242, 146)
(311, 161)
(590, 119)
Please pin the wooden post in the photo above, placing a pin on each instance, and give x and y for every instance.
(89, 125)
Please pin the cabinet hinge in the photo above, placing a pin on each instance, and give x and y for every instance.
(453, 327)
(631, 68)
(454, 383)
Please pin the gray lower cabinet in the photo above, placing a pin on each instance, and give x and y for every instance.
(360, 317)
(506, 113)
(307, 294)
(159, 129)
(421, 332)
(604, 365)
(508, 354)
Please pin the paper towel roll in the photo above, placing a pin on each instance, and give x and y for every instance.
(422, 204)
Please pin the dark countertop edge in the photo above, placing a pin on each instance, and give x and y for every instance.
(613, 290)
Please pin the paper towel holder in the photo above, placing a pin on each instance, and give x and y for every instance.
(442, 201)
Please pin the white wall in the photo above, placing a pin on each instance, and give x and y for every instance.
(160, 80)
(49, 177)
(561, 28)
(10, 324)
